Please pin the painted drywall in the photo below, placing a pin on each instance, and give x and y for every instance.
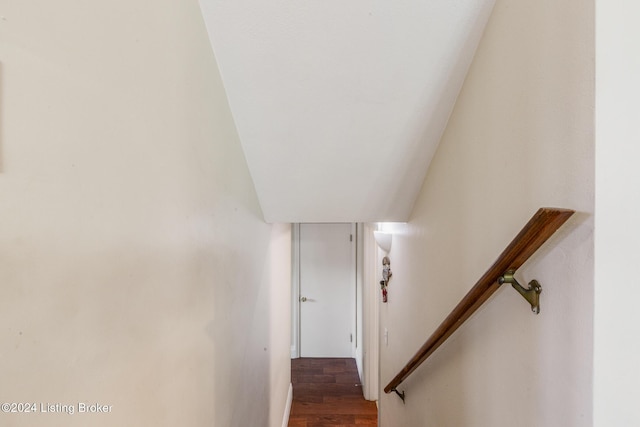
(616, 320)
(136, 269)
(340, 106)
(521, 136)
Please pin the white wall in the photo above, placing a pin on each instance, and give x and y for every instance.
(617, 322)
(370, 313)
(360, 278)
(520, 137)
(135, 268)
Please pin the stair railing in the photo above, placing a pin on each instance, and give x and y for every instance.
(540, 227)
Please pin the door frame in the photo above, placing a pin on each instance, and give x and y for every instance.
(371, 274)
(367, 328)
(295, 291)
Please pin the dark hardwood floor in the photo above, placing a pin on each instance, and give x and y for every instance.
(328, 393)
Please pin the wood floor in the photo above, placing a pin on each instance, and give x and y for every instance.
(328, 393)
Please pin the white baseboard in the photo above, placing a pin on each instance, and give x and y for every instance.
(294, 352)
(287, 409)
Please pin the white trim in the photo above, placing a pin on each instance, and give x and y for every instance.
(359, 334)
(287, 408)
(354, 291)
(371, 327)
(295, 291)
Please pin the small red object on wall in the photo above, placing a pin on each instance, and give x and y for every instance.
(386, 275)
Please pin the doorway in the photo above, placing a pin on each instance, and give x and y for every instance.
(324, 302)
(365, 343)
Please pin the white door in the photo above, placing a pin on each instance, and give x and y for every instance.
(327, 290)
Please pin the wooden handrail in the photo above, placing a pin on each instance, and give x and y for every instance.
(539, 228)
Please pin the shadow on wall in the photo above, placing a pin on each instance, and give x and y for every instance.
(241, 358)
(250, 331)
(2, 90)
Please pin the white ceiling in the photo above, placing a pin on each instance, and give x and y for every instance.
(340, 105)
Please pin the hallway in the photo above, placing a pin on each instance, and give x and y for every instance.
(327, 392)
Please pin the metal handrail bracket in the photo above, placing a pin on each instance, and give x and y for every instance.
(540, 227)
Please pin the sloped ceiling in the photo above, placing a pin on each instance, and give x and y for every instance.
(340, 105)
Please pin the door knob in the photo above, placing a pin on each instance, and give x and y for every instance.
(303, 299)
